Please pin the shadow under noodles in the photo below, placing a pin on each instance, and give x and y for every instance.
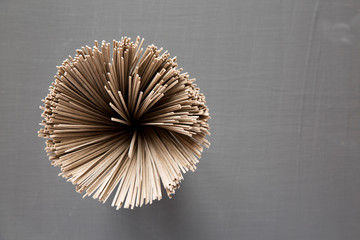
(176, 218)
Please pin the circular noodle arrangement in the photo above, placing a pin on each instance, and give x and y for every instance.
(124, 118)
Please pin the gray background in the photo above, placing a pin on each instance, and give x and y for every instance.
(282, 81)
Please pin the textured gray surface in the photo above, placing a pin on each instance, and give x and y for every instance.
(282, 81)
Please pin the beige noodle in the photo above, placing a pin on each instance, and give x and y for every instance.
(124, 118)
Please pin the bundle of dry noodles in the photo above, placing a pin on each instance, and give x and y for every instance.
(126, 120)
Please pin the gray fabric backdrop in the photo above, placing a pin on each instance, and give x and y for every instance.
(282, 82)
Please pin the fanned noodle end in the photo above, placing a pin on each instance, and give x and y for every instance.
(124, 119)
